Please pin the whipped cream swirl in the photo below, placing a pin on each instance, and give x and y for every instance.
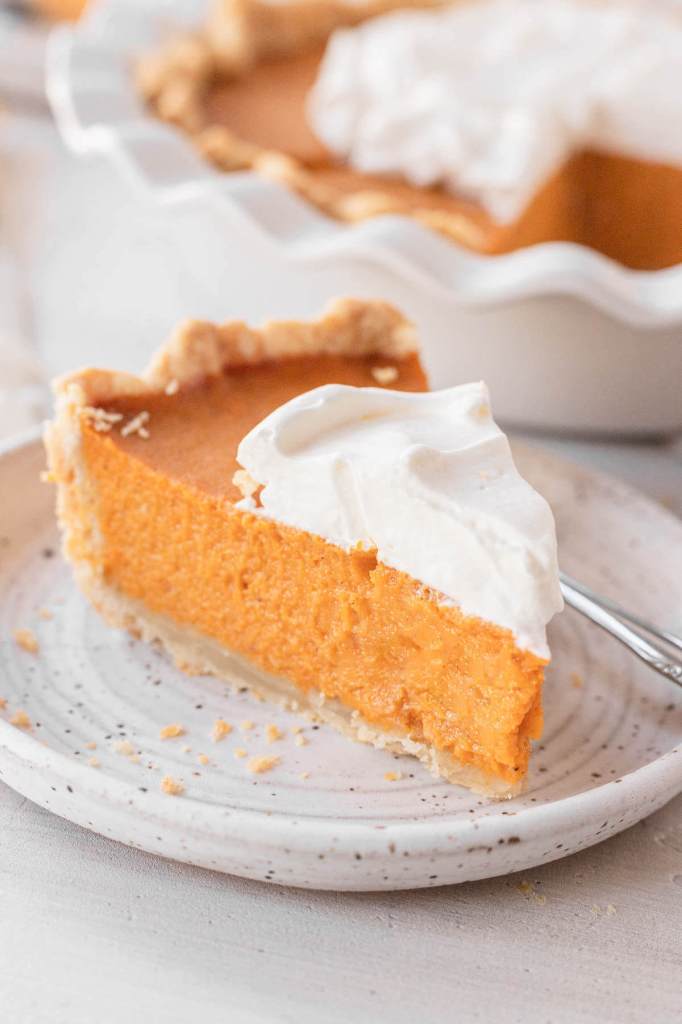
(428, 480)
(488, 99)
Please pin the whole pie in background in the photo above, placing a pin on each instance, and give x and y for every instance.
(498, 123)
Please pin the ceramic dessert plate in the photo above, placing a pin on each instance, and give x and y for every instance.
(330, 814)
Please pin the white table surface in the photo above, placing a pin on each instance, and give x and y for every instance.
(91, 931)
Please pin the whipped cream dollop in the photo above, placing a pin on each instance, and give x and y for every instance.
(428, 480)
(489, 98)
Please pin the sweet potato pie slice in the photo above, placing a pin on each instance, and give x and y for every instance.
(163, 542)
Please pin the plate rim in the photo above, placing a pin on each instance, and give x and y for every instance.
(663, 775)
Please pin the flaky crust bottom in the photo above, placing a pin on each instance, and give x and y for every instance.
(197, 654)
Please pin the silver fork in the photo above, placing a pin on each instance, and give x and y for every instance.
(626, 627)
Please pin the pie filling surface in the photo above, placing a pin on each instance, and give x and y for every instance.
(153, 519)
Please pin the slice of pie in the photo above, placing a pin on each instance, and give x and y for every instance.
(265, 506)
(498, 123)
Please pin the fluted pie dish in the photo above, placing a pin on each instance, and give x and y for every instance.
(566, 338)
(293, 495)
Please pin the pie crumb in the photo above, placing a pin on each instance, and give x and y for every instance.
(137, 425)
(385, 374)
(393, 776)
(203, 759)
(172, 387)
(186, 749)
(91, 745)
(45, 613)
(300, 740)
(297, 729)
(27, 640)
(101, 420)
(272, 733)
(3, 703)
(259, 765)
(169, 732)
(245, 483)
(47, 477)
(240, 752)
(246, 725)
(171, 786)
(304, 776)
(220, 730)
(20, 719)
(93, 762)
(576, 680)
(124, 747)
(527, 890)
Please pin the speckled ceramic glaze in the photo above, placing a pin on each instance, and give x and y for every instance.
(608, 758)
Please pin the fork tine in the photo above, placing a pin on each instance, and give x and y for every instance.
(661, 634)
(653, 656)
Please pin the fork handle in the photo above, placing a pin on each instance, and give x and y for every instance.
(653, 656)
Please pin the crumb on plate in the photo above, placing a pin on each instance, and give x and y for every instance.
(124, 747)
(172, 786)
(27, 640)
(20, 719)
(169, 732)
(259, 765)
(220, 730)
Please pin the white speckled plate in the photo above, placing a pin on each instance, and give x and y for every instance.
(609, 756)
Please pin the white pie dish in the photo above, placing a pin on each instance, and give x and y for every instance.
(565, 338)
